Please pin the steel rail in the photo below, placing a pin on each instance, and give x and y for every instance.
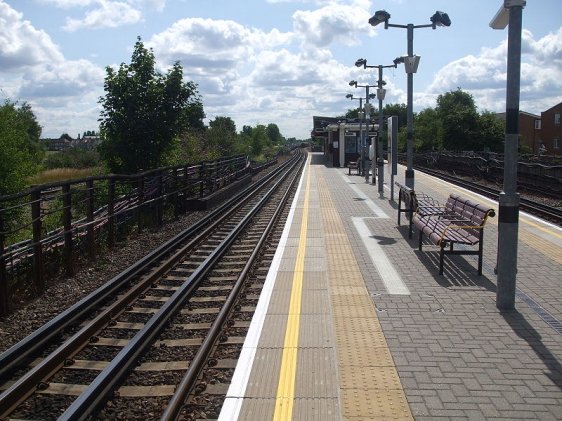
(21, 351)
(186, 385)
(24, 386)
(104, 384)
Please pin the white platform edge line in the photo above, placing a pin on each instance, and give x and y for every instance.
(234, 397)
(390, 277)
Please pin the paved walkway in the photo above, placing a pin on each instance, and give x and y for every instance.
(355, 323)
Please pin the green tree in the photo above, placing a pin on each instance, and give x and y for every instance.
(429, 131)
(459, 118)
(222, 135)
(273, 134)
(143, 111)
(19, 146)
(491, 132)
(399, 110)
(258, 140)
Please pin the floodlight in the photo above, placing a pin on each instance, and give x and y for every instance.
(353, 83)
(411, 63)
(380, 16)
(361, 62)
(501, 18)
(440, 19)
(372, 96)
(349, 96)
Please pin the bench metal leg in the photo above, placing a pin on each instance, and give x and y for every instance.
(399, 207)
(410, 231)
(441, 257)
(480, 257)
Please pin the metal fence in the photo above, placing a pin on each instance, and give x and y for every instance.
(43, 228)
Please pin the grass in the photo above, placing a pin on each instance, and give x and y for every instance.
(63, 174)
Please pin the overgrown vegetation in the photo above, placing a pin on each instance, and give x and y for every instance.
(20, 150)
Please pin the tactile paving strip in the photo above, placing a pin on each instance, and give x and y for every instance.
(370, 387)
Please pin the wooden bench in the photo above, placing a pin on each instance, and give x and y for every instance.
(414, 202)
(353, 165)
(460, 221)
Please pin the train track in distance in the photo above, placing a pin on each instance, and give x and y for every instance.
(549, 213)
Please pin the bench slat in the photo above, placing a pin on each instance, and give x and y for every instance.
(461, 222)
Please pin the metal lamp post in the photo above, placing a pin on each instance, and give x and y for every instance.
(367, 120)
(361, 116)
(438, 19)
(381, 93)
(510, 13)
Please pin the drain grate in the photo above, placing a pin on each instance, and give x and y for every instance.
(552, 321)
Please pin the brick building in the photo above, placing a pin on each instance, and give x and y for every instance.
(529, 130)
(550, 132)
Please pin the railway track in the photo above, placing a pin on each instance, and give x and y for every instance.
(160, 339)
(549, 213)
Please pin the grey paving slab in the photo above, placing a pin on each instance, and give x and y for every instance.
(457, 355)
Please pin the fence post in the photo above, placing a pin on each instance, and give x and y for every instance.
(160, 198)
(38, 272)
(4, 302)
(91, 238)
(140, 201)
(176, 195)
(186, 192)
(202, 179)
(67, 223)
(110, 213)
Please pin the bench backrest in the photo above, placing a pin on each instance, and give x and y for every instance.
(474, 212)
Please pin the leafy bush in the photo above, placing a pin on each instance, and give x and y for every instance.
(72, 158)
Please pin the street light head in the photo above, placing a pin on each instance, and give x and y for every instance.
(380, 16)
(350, 96)
(397, 61)
(372, 96)
(440, 19)
(361, 62)
(353, 83)
(411, 64)
(381, 93)
(501, 18)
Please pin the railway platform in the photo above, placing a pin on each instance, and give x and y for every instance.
(355, 323)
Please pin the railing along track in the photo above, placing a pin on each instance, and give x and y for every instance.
(549, 213)
(154, 275)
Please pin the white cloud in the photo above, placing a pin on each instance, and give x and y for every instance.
(332, 23)
(484, 76)
(206, 46)
(61, 92)
(21, 44)
(108, 14)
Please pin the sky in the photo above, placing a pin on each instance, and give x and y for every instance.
(270, 61)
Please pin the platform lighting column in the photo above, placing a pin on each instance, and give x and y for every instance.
(381, 92)
(510, 14)
(360, 114)
(438, 19)
(367, 117)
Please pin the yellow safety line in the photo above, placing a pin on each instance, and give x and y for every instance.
(286, 387)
